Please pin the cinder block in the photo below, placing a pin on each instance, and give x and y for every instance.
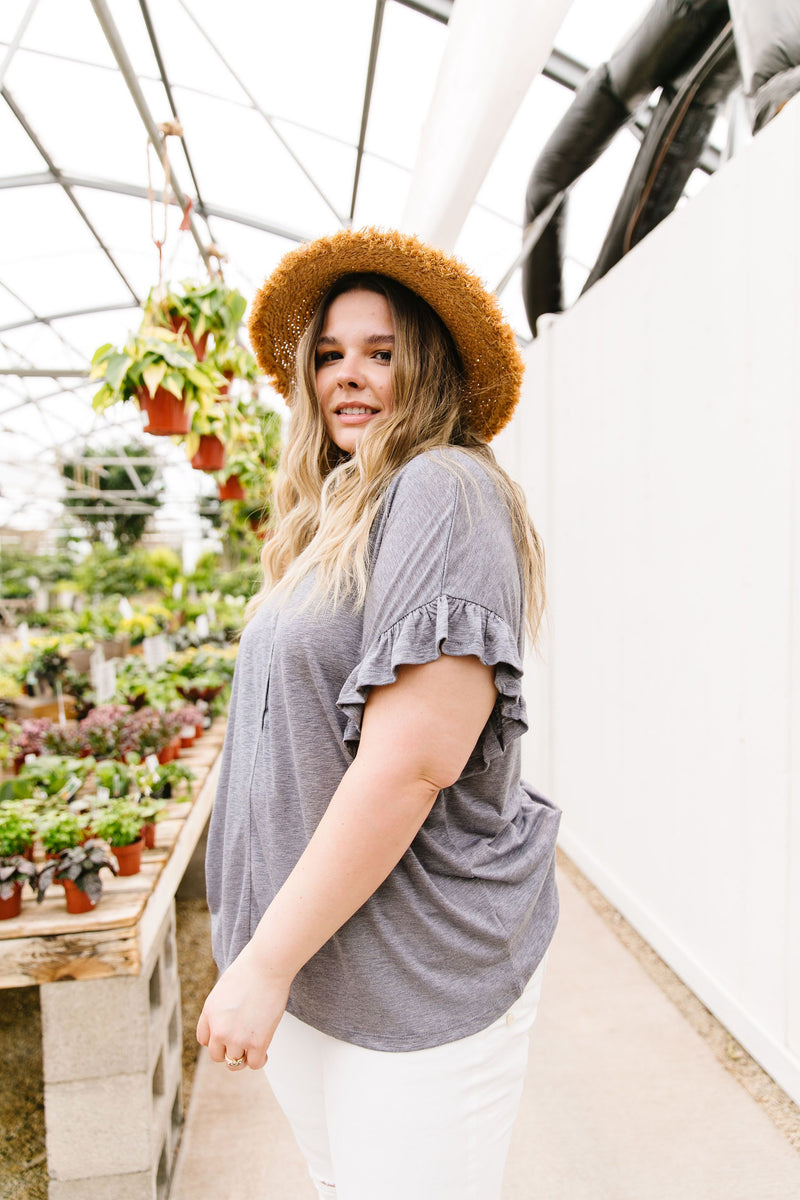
(99, 1126)
(140, 1186)
(99, 1027)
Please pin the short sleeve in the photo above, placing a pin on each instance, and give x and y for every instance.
(445, 579)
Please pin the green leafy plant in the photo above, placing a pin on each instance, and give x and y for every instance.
(208, 307)
(151, 359)
(234, 362)
(61, 828)
(119, 822)
(17, 828)
(80, 865)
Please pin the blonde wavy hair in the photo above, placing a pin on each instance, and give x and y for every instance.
(325, 501)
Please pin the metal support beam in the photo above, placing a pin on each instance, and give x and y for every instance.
(13, 45)
(439, 10)
(57, 178)
(41, 179)
(377, 25)
(64, 316)
(46, 372)
(158, 142)
(257, 107)
(151, 33)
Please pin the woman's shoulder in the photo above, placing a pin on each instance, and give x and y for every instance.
(443, 472)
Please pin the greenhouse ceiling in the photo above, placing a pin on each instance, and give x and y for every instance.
(297, 118)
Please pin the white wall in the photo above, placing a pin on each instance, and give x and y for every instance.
(659, 441)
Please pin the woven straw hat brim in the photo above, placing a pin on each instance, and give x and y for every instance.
(286, 303)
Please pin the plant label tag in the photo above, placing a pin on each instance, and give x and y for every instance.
(24, 637)
(151, 762)
(103, 794)
(202, 626)
(96, 665)
(125, 607)
(70, 788)
(156, 650)
(106, 682)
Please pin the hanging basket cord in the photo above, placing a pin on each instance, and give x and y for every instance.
(167, 129)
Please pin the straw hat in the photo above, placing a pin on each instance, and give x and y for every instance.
(487, 346)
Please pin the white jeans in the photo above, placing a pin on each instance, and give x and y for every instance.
(423, 1125)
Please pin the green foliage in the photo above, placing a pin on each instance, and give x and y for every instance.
(105, 572)
(210, 307)
(18, 566)
(60, 828)
(119, 822)
(17, 828)
(126, 528)
(151, 359)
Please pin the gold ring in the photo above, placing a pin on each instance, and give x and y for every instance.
(235, 1063)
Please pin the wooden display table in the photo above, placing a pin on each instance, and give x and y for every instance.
(110, 996)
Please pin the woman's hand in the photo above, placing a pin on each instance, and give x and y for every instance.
(242, 1012)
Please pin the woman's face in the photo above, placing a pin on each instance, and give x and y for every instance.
(353, 365)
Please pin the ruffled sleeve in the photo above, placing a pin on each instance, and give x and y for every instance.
(445, 580)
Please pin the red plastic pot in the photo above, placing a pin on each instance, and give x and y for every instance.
(129, 857)
(166, 414)
(180, 326)
(210, 455)
(231, 489)
(13, 905)
(77, 901)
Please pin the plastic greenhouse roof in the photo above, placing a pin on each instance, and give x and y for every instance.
(288, 134)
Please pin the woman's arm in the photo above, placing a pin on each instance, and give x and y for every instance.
(416, 737)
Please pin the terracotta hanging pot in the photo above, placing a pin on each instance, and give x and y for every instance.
(77, 901)
(129, 857)
(166, 414)
(210, 455)
(13, 905)
(231, 489)
(180, 326)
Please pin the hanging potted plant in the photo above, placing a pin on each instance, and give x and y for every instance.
(161, 375)
(252, 453)
(205, 445)
(119, 822)
(233, 362)
(78, 869)
(197, 310)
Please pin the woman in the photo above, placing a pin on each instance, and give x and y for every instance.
(381, 883)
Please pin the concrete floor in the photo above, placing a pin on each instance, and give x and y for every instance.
(623, 1101)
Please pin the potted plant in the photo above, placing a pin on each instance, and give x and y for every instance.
(205, 445)
(151, 808)
(119, 822)
(15, 872)
(78, 868)
(17, 828)
(234, 362)
(159, 373)
(196, 310)
(61, 829)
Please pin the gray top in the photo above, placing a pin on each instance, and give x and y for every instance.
(447, 943)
